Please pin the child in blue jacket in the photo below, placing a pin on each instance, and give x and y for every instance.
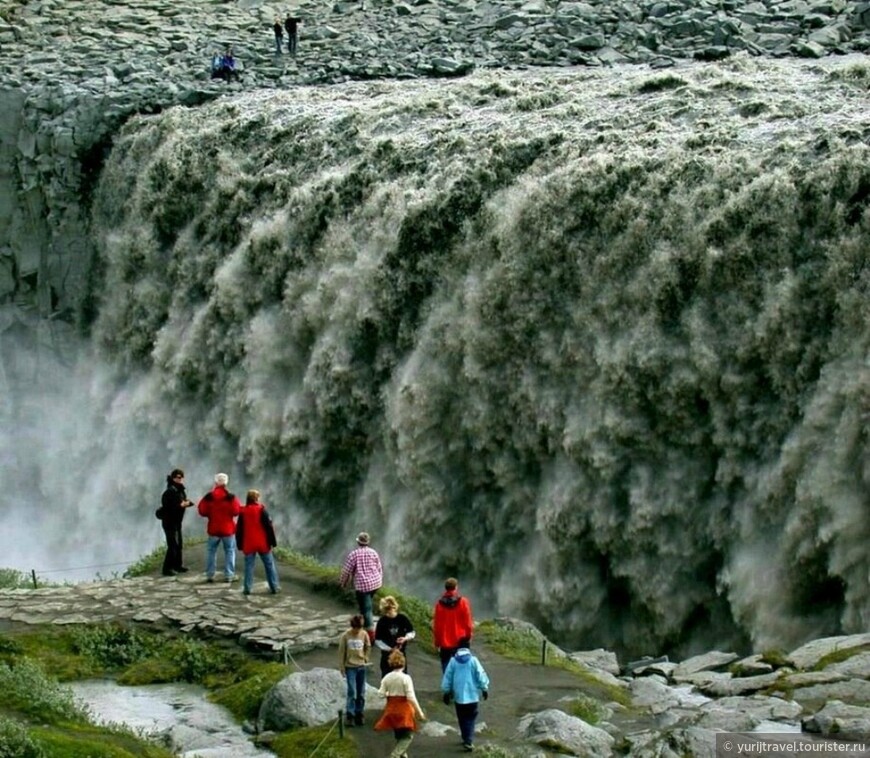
(465, 682)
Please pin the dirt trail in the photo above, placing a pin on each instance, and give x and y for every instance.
(516, 688)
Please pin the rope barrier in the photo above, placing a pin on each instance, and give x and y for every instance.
(81, 568)
(289, 658)
(331, 730)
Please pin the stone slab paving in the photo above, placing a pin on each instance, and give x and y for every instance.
(262, 620)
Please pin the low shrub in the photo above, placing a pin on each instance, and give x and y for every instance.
(10, 579)
(15, 741)
(586, 708)
(111, 646)
(27, 689)
(244, 696)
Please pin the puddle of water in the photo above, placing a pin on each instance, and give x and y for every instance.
(196, 727)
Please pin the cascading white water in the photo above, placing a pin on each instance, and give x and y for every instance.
(597, 343)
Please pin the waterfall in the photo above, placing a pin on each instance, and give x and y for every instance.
(597, 345)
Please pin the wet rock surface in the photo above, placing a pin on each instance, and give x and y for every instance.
(261, 621)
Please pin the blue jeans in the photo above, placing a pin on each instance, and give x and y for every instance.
(364, 601)
(356, 690)
(268, 564)
(229, 544)
(466, 715)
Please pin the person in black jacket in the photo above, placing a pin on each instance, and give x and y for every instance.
(393, 631)
(173, 503)
(279, 35)
(291, 24)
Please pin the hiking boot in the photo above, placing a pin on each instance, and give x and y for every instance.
(468, 747)
(229, 579)
(359, 719)
(209, 580)
(182, 569)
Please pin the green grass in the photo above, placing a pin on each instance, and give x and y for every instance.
(587, 708)
(775, 658)
(147, 564)
(526, 648)
(30, 697)
(324, 580)
(325, 739)
(243, 696)
(89, 741)
(153, 561)
(838, 656)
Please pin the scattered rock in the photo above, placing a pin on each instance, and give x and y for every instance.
(308, 699)
(567, 734)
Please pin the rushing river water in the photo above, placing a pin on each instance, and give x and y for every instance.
(193, 726)
(595, 342)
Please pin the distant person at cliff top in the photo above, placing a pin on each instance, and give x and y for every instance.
(452, 622)
(291, 24)
(173, 504)
(279, 35)
(220, 507)
(224, 66)
(363, 566)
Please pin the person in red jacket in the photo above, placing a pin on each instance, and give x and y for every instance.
(255, 536)
(452, 621)
(220, 507)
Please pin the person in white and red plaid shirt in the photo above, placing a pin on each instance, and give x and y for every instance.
(363, 565)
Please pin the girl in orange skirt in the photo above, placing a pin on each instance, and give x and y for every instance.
(402, 706)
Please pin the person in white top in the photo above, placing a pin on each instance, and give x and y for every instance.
(402, 706)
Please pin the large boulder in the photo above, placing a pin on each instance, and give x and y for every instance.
(568, 734)
(808, 655)
(308, 699)
(694, 741)
(600, 659)
(837, 719)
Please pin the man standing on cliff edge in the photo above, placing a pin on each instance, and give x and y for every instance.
(452, 622)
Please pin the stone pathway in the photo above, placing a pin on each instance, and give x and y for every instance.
(287, 621)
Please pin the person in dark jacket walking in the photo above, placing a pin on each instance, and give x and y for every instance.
(173, 504)
(220, 507)
(393, 631)
(291, 24)
(255, 536)
(279, 35)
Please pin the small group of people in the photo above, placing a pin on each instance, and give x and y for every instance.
(291, 26)
(230, 525)
(464, 682)
(223, 66)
